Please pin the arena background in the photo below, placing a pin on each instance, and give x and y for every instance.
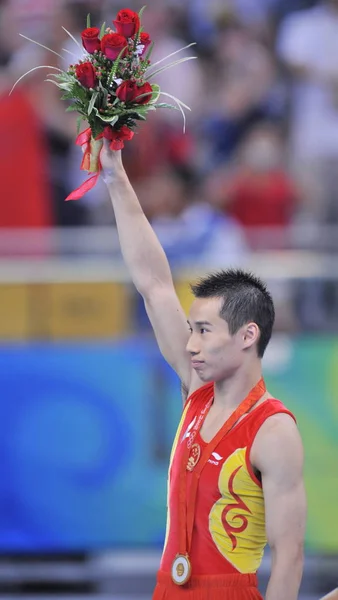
(88, 406)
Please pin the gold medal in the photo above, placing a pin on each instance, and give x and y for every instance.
(181, 569)
(194, 456)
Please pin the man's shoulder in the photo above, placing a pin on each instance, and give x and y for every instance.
(278, 443)
(278, 426)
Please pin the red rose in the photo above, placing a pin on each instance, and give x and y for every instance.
(127, 22)
(90, 39)
(129, 91)
(117, 138)
(86, 75)
(145, 41)
(112, 44)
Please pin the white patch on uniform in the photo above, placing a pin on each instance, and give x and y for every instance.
(217, 457)
(188, 430)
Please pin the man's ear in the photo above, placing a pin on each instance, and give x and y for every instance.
(251, 334)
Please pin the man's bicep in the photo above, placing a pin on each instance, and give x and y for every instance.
(285, 513)
(171, 330)
(279, 457)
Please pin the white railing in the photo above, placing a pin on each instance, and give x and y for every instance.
(93, 254)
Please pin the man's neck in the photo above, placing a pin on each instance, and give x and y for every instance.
(230, 392)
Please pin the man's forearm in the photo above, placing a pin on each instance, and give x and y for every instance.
(141, 249)
(285, 580)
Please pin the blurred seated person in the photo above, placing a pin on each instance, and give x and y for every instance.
(257, 191)
(241, 94)
(192, 232)
(307, 45)
(25, 192)
(35, 169)
(189, 228)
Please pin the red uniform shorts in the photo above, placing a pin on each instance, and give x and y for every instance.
(208, 587)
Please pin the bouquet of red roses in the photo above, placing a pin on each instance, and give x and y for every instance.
(111, 87)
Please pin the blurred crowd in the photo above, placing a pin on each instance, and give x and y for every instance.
(260, 150)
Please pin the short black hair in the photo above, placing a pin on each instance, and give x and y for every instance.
(245, 299)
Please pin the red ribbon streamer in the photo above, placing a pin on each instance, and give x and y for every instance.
(116, 139)
(83, 139)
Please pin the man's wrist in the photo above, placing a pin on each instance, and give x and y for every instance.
(113, 176)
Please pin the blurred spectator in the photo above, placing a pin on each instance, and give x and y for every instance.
(55, 129)
(167, 31)
(257, 192)
(308, 44)
(25, 189)
(158, 144)
(190, 229)
(239, 84)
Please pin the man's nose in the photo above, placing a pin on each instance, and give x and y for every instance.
(192, 346)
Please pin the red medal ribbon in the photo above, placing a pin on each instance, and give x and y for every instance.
(186, 512)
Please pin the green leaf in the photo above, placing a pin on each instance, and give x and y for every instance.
(137, 37)
(156, 93)
(72, 37)
(139, 116)
(180, 105)
(31, 71)
(65, 86)
(88, 20)
(173, 64)
(112, 119)
(173, 53)
(92, 102)
(67, 96)
(102, 30)
(109, 119)
(114, 68)
(149, 51)
(80, 93)
(96, 127)
(41, 45)
(72, 108)
(78, 124)
(104, 92)
(141, 11)
(55, 82)
(165, 105)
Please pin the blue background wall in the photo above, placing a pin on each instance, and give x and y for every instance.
(86, 431)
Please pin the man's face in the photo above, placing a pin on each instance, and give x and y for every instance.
(215, 354)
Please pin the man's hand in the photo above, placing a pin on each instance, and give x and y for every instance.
(111, 161)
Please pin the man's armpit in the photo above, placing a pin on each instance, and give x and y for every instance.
(184, 392)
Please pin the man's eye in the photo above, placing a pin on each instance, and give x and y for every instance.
(202, 330)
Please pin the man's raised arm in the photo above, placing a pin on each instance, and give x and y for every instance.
(148, 266)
